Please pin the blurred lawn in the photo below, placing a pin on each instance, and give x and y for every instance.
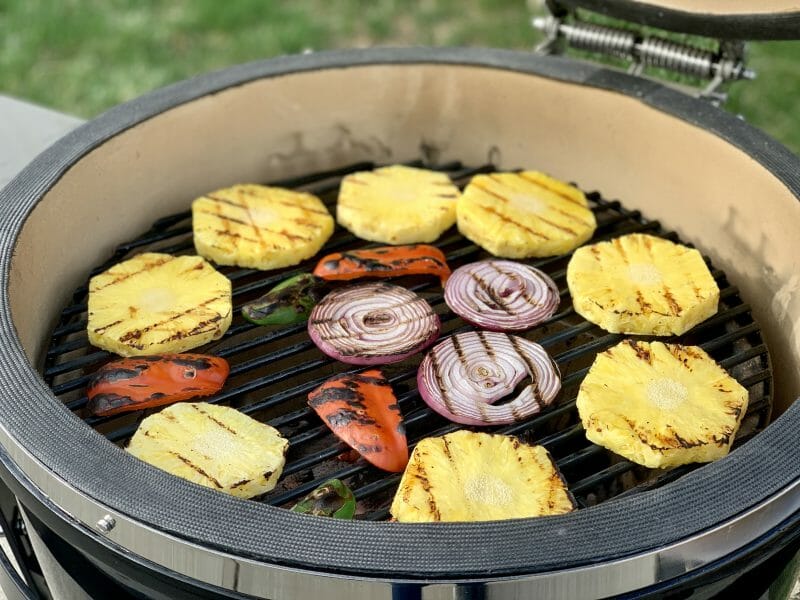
(83, 56)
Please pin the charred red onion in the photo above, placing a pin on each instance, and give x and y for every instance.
(372, 324)
(501, 295)
(464, 376)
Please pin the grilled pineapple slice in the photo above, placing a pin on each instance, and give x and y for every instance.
(466, 476)
(259, 227)
(641, 284)
(397, 204)
(156, 303)
(215, 446)
(661, 405)
(527, 214)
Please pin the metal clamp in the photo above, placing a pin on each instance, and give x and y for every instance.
(724, 65)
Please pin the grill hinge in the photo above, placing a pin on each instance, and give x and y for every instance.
(565, 29)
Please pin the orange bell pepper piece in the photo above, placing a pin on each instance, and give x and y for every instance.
(362, 411)
(146, 381)
(386, 261)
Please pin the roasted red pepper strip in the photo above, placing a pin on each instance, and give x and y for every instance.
(147, 381)
(362, 411)
(386, 261)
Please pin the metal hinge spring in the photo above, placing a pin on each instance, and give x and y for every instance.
(648, 51)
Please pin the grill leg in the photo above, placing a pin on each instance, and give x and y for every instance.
(22, 560)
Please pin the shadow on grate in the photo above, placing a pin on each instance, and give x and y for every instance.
(272, 370)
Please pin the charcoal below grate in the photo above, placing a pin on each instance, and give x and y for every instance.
(272, 370)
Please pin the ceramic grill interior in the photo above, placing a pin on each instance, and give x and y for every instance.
(650, 159)
(272, 372)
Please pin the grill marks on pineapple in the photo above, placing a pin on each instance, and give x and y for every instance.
(148, 266)
(397, 204)
(224, 218)
(259, 226)
(199, 470)
(157, 303)
(213, 419)
(104, 328)
(641, 284)
(666, 409)
(506, 219)
(136, 334)
(250, 222)
(642, 351)
(538, 215)
(425, 482)
(671, 302)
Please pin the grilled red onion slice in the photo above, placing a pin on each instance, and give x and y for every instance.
(501, 295)
(372, 324)
(464, 375)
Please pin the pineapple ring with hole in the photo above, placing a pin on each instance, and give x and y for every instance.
(526, 214)
(215, 446)
(468, 476)
(397, 205)
(661, 405)
(259, 227)
(641, 284)
(157, 303)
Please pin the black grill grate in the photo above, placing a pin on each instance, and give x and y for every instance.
(272, 371)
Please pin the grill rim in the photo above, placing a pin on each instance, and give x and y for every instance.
(383, 548)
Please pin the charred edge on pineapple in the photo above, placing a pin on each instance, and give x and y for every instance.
(108, 326)
(422, 477)
(620, 250)
(193, 466)
(199, 328)
(214, 419)
(491, 210)
(642, 353)
(225, 218)
(222, 200)
(566, 230)
(147, 267)
(136, 334)
(550, 189)
(673, 304)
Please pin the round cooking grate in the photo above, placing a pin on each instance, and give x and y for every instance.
(272, 370)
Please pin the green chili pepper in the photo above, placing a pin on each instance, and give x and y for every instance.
(332, 499)
(288, 303)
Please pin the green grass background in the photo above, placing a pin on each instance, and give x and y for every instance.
(84, 56)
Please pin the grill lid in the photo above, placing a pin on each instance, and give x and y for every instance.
(724, 19)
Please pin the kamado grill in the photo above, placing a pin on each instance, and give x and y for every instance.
(652, 159)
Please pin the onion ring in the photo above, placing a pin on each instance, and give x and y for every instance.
(464, 375)
(501, 295)
(372, 324)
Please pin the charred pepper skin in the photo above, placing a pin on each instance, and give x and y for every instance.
(142, 382)
(386, 261)
(362, 411)
(288, 303)
(332, 499)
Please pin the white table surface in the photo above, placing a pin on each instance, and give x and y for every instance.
(25, 130)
